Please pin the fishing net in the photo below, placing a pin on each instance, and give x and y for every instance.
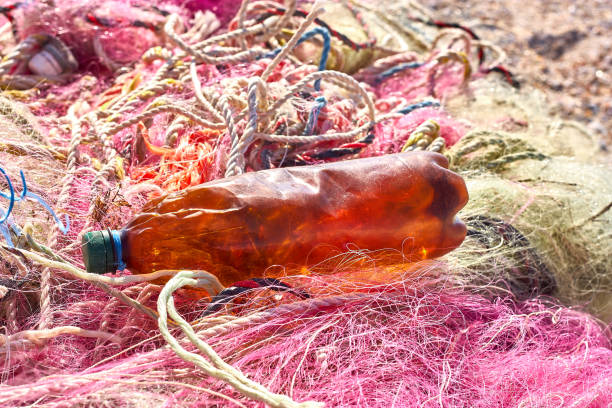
(107, 105)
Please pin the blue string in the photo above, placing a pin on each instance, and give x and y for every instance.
(25, 193)
(11, 197)
(314, 115)
(117, 243)
(25, 186)
(418, 105)
(15, 228)
(323, 32)
(400, 67)
(63, 228)
(5, 231)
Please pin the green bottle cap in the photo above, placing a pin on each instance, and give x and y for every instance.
(99, 252)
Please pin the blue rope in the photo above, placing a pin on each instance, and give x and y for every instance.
(118, 250)
(400, 67)
(323, 32)
(419, 105)
(313, 116)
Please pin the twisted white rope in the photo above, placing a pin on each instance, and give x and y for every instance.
(197, 88)
(214, 366)
(316, 11)
(235, 164)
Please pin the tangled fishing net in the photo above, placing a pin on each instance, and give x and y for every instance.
(109, 104)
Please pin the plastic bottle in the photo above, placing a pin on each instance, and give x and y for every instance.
(238, 227)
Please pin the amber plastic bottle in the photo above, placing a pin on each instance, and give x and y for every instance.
(238, 227)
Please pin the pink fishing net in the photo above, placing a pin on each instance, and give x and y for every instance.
(423, 339)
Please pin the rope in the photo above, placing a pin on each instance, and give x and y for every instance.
(38, 337)
(235, 164)
(422, 136)
(293, 41)
(163, 107)
(214, 366)
(342, 79)
(242, 56)
(214, 286)
(45, 319)
(197, 87)
(13, 58)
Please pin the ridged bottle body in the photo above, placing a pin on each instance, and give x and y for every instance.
(237, 228)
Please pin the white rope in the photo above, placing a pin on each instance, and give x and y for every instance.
(316, 11)
(213, 285)
(235, 164)
(214, 366)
